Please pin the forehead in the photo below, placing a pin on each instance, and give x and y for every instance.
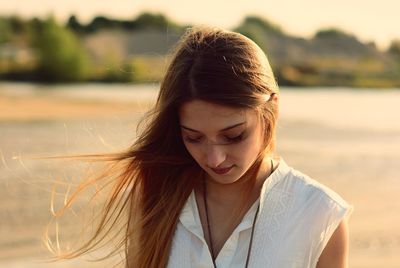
(200, 114)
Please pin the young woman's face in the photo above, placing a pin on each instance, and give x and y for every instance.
(224, 141)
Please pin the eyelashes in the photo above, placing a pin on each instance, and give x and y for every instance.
(227, 139)
(235, 139)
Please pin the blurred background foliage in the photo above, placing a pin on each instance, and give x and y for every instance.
(60, 54)
(111, 50)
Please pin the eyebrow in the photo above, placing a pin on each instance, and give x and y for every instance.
(224, 129)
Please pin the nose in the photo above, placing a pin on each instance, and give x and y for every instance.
(215, 155)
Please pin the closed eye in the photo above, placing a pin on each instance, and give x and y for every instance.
(235, 139)
(229, 139)
(190, 140)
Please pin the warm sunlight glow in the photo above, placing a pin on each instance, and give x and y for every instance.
(302, 18)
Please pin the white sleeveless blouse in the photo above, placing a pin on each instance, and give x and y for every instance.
(297, 217)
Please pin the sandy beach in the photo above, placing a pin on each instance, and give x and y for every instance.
(360, 164)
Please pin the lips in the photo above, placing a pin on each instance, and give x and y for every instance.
(221, 171)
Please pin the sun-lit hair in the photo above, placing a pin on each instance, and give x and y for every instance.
(155, 176)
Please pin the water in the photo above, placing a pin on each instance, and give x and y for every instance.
(344, 108)
(336, 107)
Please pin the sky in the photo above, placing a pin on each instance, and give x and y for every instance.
(369, 20)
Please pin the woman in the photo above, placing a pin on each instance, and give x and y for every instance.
(201, 185)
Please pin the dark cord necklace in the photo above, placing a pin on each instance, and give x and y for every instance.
(209, 229)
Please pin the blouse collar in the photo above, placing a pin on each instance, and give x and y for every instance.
(190, 219)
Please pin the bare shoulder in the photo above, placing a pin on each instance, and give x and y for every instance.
(335, 253)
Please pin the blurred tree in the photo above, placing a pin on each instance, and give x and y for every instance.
(5, 31)
(14, 29)
(259, 30)
(252, 32)
(101, 22)
(145, 21)
(394, 48)
(394, 52)
(36, 25)
(149, 20)
(75, 25)
(18, 25)
(264, 24)
(333, 33)
(157, 21)
(61, 57)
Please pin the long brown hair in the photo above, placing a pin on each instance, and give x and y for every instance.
(154, 177)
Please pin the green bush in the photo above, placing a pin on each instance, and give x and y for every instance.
(5, 31)
(61, 58)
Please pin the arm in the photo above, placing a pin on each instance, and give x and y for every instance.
(335, 253)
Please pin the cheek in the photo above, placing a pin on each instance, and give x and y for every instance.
(248, 150)
(193, 151)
